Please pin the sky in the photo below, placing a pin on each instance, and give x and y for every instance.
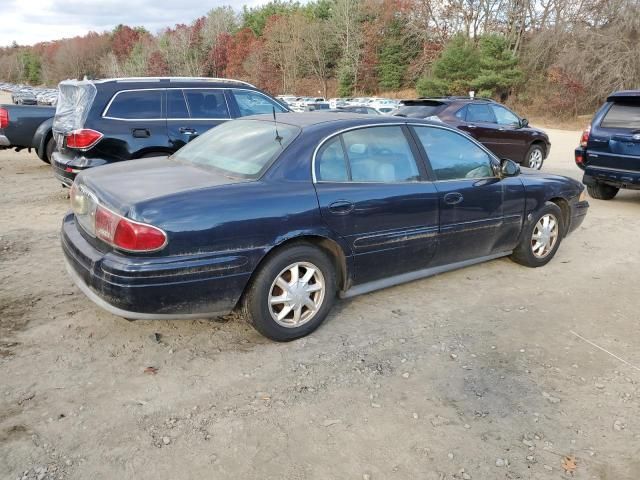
(32, 21)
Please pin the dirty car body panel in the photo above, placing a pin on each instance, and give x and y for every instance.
(220, 227)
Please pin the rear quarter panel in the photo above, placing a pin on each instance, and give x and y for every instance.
(24, 120)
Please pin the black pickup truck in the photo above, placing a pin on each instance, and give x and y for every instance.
(28, 126)
(609, 151)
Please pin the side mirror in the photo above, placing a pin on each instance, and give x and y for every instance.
(509, 168)
(524, 123)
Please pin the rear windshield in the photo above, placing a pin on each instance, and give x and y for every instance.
(418, 111)
(239, 148)
(622, 115)
(74, 101)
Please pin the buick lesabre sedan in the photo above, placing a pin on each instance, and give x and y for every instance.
(278, 217)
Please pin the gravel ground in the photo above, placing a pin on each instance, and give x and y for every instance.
(482, 373)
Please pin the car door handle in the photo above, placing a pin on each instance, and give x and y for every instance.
(453, 198)
(187, 130)
(141, 133)
(471, 125)
(341, 207)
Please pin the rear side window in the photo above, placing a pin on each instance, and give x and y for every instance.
(380, 154)
(136, 105)
(331, 162)
(453, 156)
(622, 115)
(253, 103)
(176, 104)
(479, 113)
(207, 103)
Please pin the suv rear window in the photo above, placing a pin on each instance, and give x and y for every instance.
(136, 105)
(419, 111)
(622, 115)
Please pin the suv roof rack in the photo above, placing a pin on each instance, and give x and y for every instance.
(172, 79)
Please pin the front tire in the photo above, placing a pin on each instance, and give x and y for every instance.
(291, 294)
(535, 157)
(540, 238)
(602, 191)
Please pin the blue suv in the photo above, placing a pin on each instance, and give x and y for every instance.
(609, 151)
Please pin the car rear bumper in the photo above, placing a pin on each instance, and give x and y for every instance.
(66, 167)
(618, 178)
(189, 286)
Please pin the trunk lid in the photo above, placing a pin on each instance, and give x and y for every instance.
(123, 185)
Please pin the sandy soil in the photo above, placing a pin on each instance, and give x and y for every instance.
(471, 374)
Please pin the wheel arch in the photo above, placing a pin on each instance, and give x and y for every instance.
(565, 208)
(326, 244)
(41, 136)
(541, 144)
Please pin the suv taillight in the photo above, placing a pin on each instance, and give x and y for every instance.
(82, 139)
(584, 138)
(4, 118)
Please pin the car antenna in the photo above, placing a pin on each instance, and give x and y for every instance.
(275, 123)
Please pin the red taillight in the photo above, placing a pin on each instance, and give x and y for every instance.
(579, 159)
(4, 118)
(84, 138)
(584, 139)
(127, 234)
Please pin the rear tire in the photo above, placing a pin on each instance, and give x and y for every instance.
(291, 294)
(48, 151)
(541, 237)
(535, 157)
(602, 191)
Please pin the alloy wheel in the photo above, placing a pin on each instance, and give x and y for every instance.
(296, 295)
(545, 236)
(535, 159)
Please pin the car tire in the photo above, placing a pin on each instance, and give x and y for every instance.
(535, 157)
(48, 151)
(292, 317)
(602, 191)
(540, 239)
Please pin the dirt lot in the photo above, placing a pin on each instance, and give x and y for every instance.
(472, 374)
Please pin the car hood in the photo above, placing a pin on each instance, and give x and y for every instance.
(123, 185)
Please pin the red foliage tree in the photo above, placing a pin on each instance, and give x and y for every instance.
(124, 39)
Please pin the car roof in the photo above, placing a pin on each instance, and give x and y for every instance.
(443, 100)
(624, 94)
(311, 119)
(164, 82)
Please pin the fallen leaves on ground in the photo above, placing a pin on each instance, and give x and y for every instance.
(569, 464)
(151, 370)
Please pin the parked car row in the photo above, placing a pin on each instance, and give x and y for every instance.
(26, 95)
(370, 200)
(377, 105)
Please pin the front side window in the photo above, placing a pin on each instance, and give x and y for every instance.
(240, 148)
(453, 156)
(207, 103)
(136, 105)
(380, 154)
(253, 103)
(504, 116)
(479, 113)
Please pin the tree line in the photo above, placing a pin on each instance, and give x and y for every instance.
(562, 56)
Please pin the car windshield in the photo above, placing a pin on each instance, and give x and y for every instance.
(239, 148)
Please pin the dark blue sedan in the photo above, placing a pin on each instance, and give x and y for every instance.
(277, 218)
